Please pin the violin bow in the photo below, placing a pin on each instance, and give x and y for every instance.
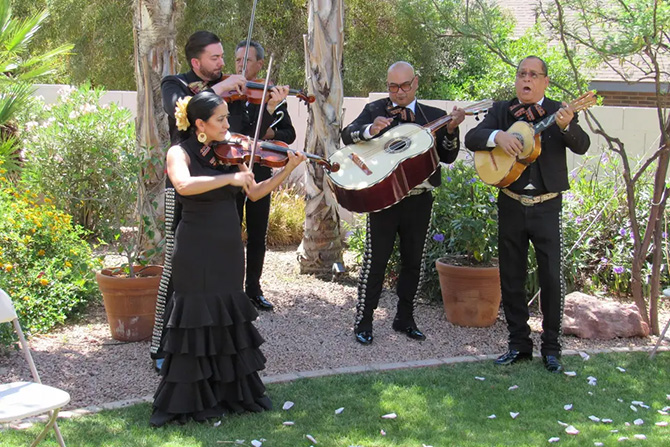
(260, 115)
(249, 33)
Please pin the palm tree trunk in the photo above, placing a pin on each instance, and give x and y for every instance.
(321, 246)
(154, 35)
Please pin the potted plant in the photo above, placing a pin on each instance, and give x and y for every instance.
(130, 290)
(463, 246)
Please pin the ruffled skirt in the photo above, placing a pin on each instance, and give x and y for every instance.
(212, 354)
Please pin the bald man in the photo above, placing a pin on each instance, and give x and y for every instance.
(409, 218)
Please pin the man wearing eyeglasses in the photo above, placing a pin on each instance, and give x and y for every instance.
(529, 210)
(408, 218)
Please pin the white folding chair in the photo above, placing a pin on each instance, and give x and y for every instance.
(20, 400)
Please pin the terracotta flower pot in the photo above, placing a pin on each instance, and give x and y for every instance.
(471, 295)
(130, 303)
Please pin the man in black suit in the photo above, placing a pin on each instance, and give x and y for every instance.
(204, 53)
(530, 209)
(258, 213)
(408, 218)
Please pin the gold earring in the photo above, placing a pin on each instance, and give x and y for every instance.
(202, 137)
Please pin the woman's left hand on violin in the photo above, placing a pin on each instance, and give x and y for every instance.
(277, 95)
(294, 159)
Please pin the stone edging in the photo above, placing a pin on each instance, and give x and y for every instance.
(379, 367)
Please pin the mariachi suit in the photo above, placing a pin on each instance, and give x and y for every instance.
(173, 88)
(539, 223)
(408, 218)
(258, 213)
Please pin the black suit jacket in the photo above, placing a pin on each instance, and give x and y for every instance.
(446, 144)
(552, 160)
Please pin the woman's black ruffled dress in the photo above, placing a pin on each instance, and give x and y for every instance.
(212, 348)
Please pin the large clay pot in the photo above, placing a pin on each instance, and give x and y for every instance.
(471, 295)
(130, 303)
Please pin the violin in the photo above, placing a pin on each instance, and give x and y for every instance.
(254, 93)
(274, 154)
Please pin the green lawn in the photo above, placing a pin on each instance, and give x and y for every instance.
(444, 406)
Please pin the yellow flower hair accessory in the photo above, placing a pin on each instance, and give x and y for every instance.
(180, 113)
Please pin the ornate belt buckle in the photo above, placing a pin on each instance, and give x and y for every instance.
(527, 200)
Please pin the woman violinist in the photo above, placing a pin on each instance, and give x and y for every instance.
(212, 355)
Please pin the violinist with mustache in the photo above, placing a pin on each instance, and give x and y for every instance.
(258, 213)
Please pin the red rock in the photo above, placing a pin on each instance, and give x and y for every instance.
(588, 317)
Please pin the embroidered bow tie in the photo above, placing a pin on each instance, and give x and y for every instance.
(530, 111)
(404, 113)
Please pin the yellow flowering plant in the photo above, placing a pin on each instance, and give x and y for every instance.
(45, 264)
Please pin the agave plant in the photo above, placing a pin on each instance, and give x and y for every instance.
(18, 67)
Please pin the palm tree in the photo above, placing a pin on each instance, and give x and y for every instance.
(19, 68)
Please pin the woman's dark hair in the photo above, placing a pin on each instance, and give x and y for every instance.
(196, 44)
(202, 106)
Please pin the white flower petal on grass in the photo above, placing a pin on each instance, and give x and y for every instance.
(493, 416)
(633, 407)
(623, 438)
(554, 439)
(637, 402)
(339, 410)
(567, 407)
(638, 422)
(667, 396)
(571, 430)
(390, 416)
(598, 444)
(513, 414)
(287, 405)
(666, 408)
(217, 423)
(614, 431)
(311, 439)
(382, 432)
(584, 355)
(621, 369)
(662, 423)
(664, 413)
(480, 378)
(594, 418)
(256, 443)
(424, 445)
(606, 421)
(627, 424)
(619, 399)
(590, 393)
(570, 373)
(592, 380)
(646, 407)
(562, 423)
(288, 423)
(513, 387)
(639, 437)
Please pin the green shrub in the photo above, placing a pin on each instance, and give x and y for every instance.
(286, 223)
(83, 155)
(597, 234)
(45, 265)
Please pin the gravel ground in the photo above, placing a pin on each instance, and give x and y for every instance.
(311, 328)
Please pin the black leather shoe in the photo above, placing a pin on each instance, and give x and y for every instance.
(261, 303)
(412, 332)
(552, 364)
(364, 337)
(513, 356)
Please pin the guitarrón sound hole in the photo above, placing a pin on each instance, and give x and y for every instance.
(397, 145)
